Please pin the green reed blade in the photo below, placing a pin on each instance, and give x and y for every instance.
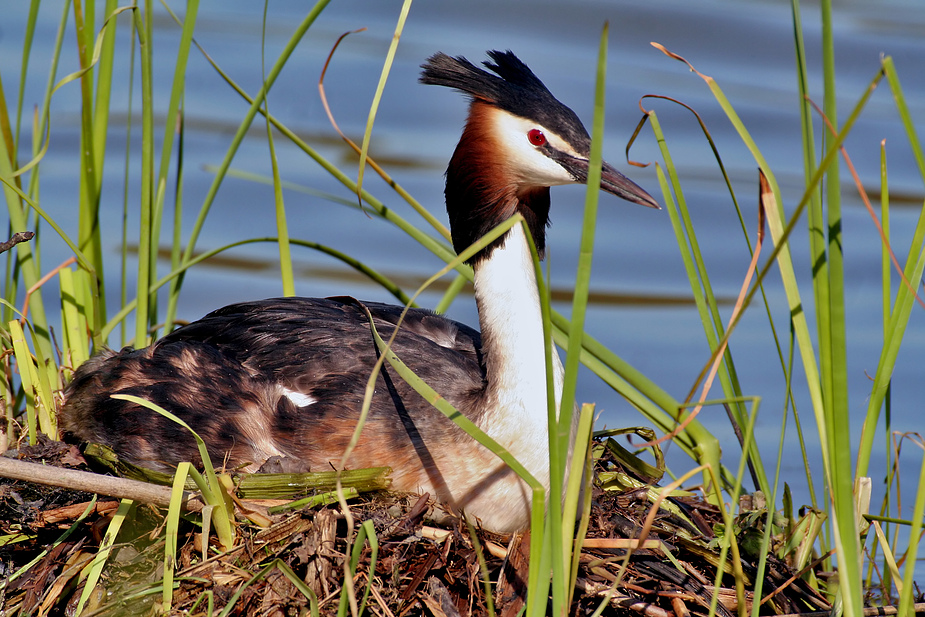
(380, 87)
(245, 124)
(282, 228)
(915, 536)
(94, 569)
(702, 291)
(23, 71)
(209, 485)
(902, 306)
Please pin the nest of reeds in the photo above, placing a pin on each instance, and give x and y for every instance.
(418, 560)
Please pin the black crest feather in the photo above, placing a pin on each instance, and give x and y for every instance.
(513, 87)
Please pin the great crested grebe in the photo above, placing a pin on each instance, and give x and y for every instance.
(286, 376)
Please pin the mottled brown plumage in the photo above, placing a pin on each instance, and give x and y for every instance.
(226, 375)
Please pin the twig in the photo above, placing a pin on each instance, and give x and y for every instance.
(797, 575)
(111, 486)
(19, 236)
(619, 600)
(74, 511)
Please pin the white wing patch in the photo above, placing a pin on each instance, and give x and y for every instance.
(299, 399)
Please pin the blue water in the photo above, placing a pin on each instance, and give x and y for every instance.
(747, 47)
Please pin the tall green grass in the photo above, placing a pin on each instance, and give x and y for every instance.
(35, 371)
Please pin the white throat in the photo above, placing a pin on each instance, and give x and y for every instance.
(512, 338)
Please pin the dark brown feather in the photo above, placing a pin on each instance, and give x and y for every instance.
(222, 375)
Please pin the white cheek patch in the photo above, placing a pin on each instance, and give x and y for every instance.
(299, 399)
(525, 159)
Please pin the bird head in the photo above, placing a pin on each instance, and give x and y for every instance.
(518, 141)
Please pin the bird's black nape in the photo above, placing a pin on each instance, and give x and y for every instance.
(513, 87)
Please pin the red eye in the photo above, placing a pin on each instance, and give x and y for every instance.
(536, 137)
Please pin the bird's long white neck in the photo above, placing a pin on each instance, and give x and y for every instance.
(512, 339)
